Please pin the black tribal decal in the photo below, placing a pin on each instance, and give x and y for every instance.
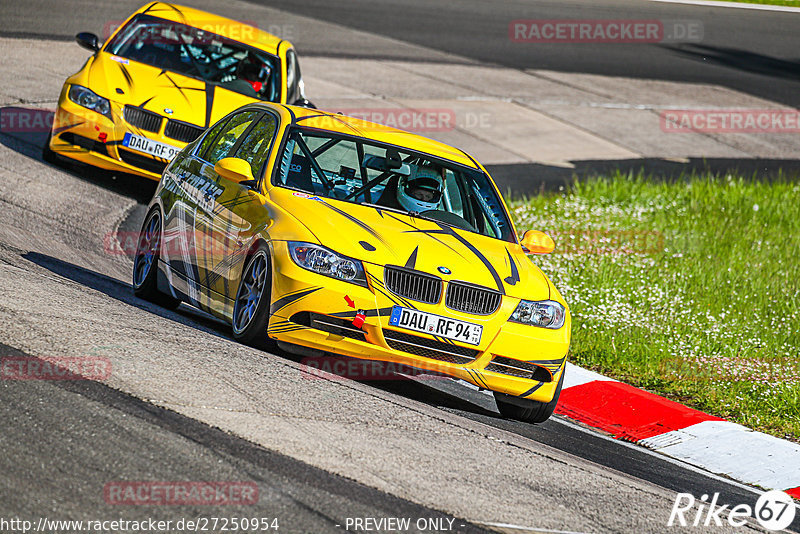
(151, 6)
(514, 278)
(291, 297)
(484, 260)
(532, 390)
(210, 88)
(366, 227)
(428, 233)
(64, 128)
(126, 74)
(477, 378)
(412, 260)
(170, 6)
(178, 87)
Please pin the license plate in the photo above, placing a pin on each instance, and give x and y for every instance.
(436, 325)
(148, 146)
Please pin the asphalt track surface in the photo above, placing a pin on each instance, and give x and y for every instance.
(63, 440)
(751, 51)
(748, 50)
(49, 426)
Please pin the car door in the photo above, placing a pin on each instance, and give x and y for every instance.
(218, 221)
(179, 200)
(240, 213)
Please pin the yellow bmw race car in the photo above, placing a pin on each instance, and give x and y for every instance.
(332, 235)
(160, 80)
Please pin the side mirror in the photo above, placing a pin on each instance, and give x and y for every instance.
(536, 242)
(88, 41)
(234, 169)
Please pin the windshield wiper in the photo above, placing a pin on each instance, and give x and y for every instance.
(413, 214)
(379, 207)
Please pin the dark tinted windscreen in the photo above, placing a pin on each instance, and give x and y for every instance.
(201, 54)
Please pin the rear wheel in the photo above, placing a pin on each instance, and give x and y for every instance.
(145, 263)
(528, 410)
(251, 308)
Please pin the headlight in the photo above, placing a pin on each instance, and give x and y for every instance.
(324, 261)
(87, 98)
(542, 313)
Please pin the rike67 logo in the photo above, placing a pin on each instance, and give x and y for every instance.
(774, 510)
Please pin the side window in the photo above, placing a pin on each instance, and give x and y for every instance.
(233, 130)
(255, 147)
(334, 159)
(292, 77)
(210, 136)
(297, 171)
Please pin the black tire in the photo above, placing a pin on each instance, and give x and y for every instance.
(528, 410)
(251, 306)
(145, 262)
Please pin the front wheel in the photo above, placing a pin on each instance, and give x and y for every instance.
(145, 263)
(251, 308)
(528, 410)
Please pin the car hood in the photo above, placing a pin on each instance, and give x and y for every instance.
(190, 100)
(384, 237)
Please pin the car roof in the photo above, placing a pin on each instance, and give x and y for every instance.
(232, 29)
(343, 124)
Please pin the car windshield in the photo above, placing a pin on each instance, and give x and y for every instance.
(356, 170)
(200, 54)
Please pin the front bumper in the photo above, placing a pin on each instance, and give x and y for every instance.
(313, 311)
(77, 134)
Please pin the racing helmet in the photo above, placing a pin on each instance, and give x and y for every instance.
(251, 69)
(422, 191)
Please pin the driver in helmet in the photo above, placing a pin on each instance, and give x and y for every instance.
(251, 69)
(422, 191)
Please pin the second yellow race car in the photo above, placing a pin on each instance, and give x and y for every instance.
(332, 235)
(160, 80)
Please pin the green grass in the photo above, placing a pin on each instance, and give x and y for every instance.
(691, 290)
(794, 3)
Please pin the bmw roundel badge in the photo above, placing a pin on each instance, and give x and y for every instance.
(444, 270)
